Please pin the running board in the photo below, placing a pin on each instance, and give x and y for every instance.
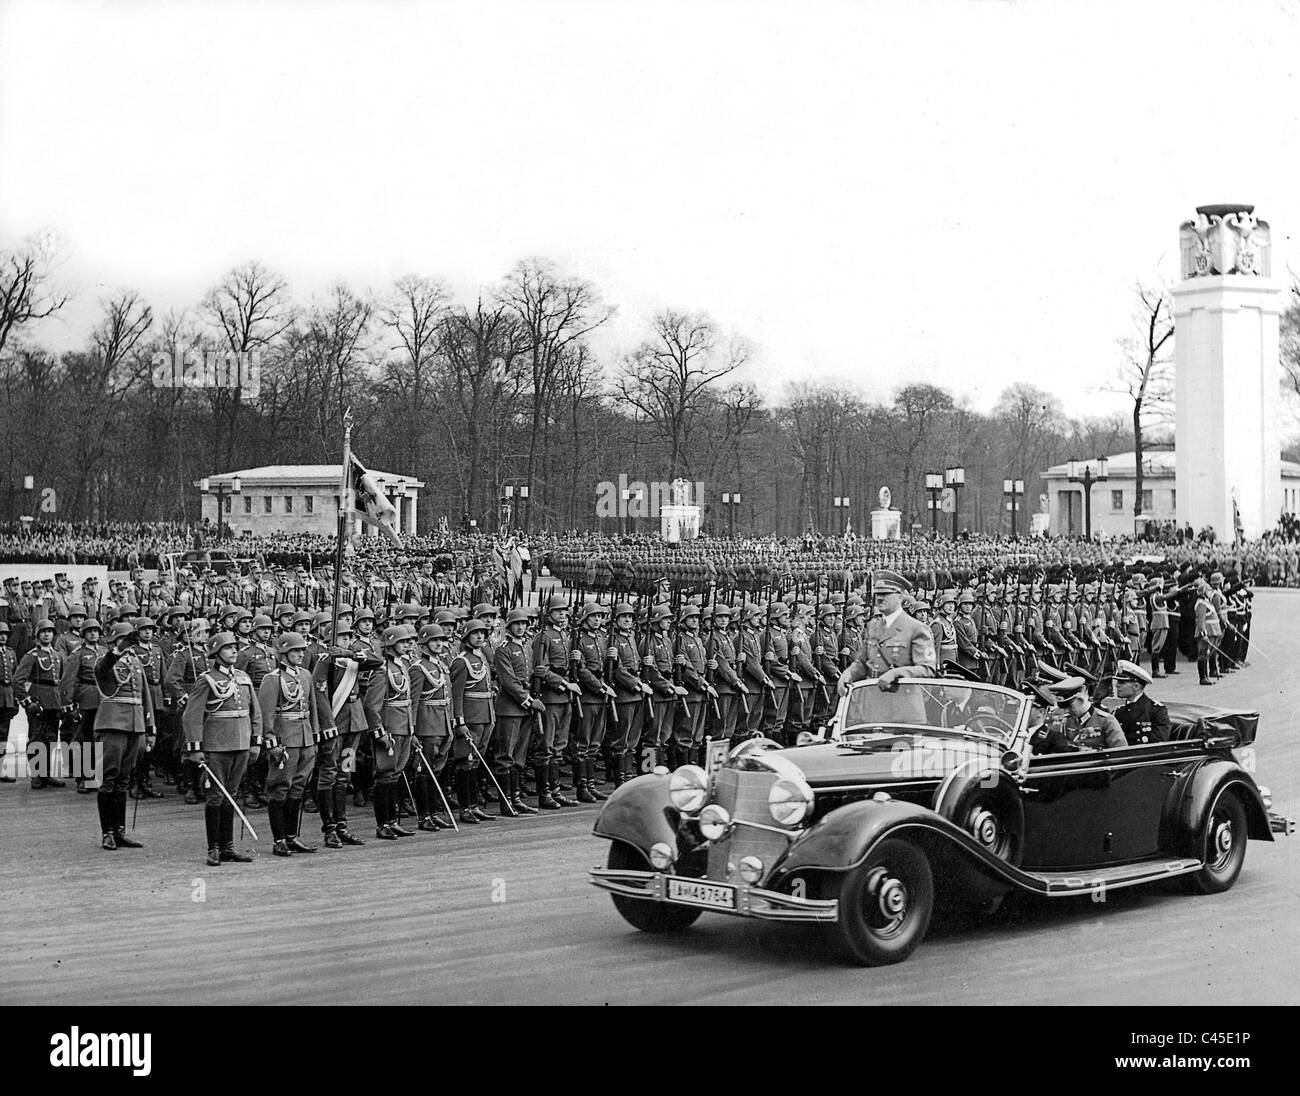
(1055, 884)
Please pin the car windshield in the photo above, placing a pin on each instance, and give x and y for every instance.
(948, 705)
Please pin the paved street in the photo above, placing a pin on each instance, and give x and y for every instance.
(503, 914)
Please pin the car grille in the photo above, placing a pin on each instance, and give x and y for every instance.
(744, 796)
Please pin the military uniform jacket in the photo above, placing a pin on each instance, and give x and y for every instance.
(67, 644)
(1143, 720)
(905, 644)
(513, 663)
(694, 673)
(591, 646)
(719, 649)
(256, 660)
(625, 671)
(188, 662)
(471, 688)
(151, 658)
(1054, 627)
(944, 631)
(294, 712)
(551, 664)
(339, 681)
(1207, 620)
(38, 676)
(776, 654)
(432, 681)
(750, 656)
(824, 653)
(223, 714)
(801, 658)
(8, 664)
(850, 641)
(126, 700)
(657, 658)
(78, 685)
(1097, 730)
(968, 642)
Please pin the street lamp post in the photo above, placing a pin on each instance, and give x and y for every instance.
(934, 485)
(1081, 472)
(842, 503)
(956, 480)
(730, 499)
(1013, 489)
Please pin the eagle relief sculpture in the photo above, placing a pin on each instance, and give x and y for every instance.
(1225, 239)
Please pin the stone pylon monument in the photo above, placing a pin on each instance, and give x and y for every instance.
(1226, 386)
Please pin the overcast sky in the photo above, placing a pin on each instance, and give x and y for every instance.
(959, 192)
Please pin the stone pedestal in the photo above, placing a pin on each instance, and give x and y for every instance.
(886, 525)
(678, 523)
(1227, 434)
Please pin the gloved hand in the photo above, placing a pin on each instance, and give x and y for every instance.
(197, 757)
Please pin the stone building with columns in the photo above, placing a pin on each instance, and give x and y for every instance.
(297, 498)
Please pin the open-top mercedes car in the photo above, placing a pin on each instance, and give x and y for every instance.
(926, 793)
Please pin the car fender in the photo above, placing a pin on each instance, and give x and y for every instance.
(977, 775)
(842, 839)
(640, 814)
(1190, 802)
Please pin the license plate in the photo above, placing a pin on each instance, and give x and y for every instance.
(712, 895)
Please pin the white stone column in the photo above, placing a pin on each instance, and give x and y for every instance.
(1226, 399)
(411, 526)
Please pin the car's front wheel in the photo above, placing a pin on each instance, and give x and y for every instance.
(1222, 847)
(641, 913)
(885, 904)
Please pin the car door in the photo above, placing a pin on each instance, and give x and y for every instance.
(1066, 817)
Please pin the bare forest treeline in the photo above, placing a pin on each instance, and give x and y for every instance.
(470, 395)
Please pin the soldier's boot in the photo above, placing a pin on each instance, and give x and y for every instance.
(193, 784)
(328, 826)
(506, 801)
(424, 819)
(119, 827)
(581, 790)
(1203, 665)
(545, 800)
(229, 854)
(275, 816)
(553, 772)
(616, 769)
(486, 790)
(212, 824)
(293, 825)
(104, 801)
(593, 787)
(383, 828)
(478, 778)
(345, 835)
(309, 803)
(465, 795)
(517, 800)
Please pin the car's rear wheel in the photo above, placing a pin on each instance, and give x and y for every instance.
(1222, 846)
(641, 913)
(885, 903)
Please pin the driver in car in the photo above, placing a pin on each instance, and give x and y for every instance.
(1085, 727)
(897, 645)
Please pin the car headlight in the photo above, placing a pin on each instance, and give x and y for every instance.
(750, 869)
(790, 801)
(714, 822)
(688, 788)
(1266, 794)
(661, 856)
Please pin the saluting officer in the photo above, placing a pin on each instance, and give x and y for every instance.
(124, 721)
(297, 718)
(37, 683)
(221, 727)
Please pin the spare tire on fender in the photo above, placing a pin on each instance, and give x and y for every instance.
(985, 802)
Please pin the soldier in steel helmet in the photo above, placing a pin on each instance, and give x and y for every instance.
(390, 714)
(123, 727)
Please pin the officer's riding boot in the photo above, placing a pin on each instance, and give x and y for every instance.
(212, 823)
(465, 794)
(380, 795)
(1203, 665)
(517, 800)
(421, 790)
(275, 815)
(545, 800)
(104, 801)
(478, 780)
(345, 835)
(616, 769)
(553, 772)
(123, 841)
(506, 803)
(325, 797)
(229, 854)
(593, 787)
(293, 825)
(581, 790)
(193, 788)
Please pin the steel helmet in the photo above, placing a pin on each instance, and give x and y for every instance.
(221, 639)
(395, 633)
(290, 641)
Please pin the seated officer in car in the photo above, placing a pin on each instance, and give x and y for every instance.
(1085, 727)
(1045, 725)
(1141, 718)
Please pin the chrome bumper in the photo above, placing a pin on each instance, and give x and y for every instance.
(1279, 823)
(750, 901)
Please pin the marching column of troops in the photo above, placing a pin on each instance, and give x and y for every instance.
(439, 713)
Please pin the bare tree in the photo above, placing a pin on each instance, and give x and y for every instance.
(1146, 374)
(667, 376)
(26, 293)
(413, 316)
(554, 313)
